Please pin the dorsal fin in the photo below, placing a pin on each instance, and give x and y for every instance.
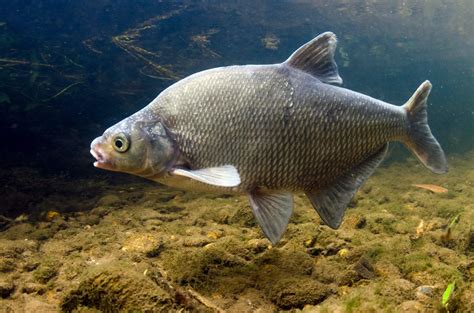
(317, 58)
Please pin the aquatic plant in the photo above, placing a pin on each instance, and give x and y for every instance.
(446, 237)
(447, 295)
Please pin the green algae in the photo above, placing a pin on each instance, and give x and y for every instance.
(113, 289)
(46, 271)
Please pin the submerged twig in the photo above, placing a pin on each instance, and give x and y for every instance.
(206, 302)
(88, 44)
(126, 42)
(190, 293)
(61, 92)
(13, 62)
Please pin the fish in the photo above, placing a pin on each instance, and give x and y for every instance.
(269, 131)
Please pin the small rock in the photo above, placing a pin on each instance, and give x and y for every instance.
(6, 288)
(215, 234)
(424, 292)
(411, 306)
(243, 217)
(365, 269)
(343, 253)
(403, 284)
(141, 242)
(257, 245)
(51, 215)
(100, 211)
(109, 200)
(348, 278)
(149, 214)
(222, 217)
(155, 251)
(330, 249)
(46, 271)
(116, 287)
(198, 241)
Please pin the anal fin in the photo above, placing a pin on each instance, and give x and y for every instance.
(331, 202)
(272, 209)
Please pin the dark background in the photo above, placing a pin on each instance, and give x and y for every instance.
(70, 69)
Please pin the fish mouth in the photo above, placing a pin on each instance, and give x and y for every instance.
(99, 155)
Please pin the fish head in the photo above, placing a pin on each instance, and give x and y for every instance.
(135, 146)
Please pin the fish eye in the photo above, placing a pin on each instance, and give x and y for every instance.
(120, 143)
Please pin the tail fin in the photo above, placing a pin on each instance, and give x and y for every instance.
(420, 139)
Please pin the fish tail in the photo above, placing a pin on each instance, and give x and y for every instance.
(420, 140)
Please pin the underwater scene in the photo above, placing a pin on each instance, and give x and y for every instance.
(245, 188)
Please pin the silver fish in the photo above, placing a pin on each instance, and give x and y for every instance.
(269, 131)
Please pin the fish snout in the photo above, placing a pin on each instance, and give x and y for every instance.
(99, 154)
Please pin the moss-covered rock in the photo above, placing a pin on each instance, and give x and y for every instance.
(46, 271)
(113, 289)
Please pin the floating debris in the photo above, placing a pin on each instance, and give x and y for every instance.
(432, 188)
(270, 41)
(203, 40)
(420, 229)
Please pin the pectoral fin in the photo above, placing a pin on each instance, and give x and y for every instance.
(331, 202)
(272, 209)
(222, 176)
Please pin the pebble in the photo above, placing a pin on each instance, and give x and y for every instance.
(215, 234)
(196, 241)
(343, 253)
(403, 284)
(108, 200)
(365, 269)
(424, 292)
(155, 251)
(411, 306)
(257, 245)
